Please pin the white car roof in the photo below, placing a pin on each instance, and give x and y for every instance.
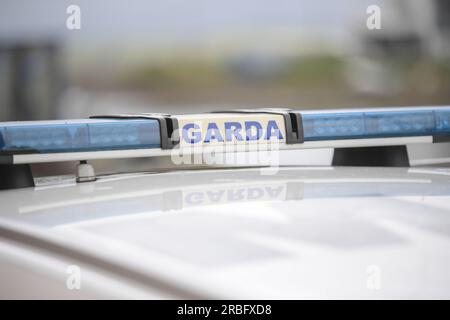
(304, 232)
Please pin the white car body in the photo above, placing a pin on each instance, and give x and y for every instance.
(304, 232)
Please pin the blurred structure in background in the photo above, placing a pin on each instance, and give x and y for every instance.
(194, 56)
(30, 80)
(409, 55)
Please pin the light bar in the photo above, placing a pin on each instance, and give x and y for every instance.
(77, 136)
(147, 135)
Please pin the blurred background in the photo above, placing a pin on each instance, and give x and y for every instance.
(192, 56)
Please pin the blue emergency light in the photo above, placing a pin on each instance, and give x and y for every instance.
(376, 124)
(89, 135)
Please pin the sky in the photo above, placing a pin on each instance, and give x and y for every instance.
(181, 21)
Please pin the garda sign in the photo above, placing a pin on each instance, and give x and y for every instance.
(222, 129)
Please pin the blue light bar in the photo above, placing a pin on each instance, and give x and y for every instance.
(127, 133)
(86, 135)
(376, 124)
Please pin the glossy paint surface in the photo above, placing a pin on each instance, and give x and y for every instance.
(312, 232)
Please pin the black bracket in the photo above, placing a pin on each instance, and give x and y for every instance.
(167, 125)
(292, 121)
(15, 176)
(441, 138)
(383, 156)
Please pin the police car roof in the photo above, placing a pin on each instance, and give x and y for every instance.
(301, 233)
